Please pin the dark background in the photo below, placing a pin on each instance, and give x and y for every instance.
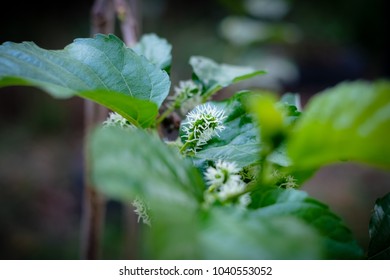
(306, 46)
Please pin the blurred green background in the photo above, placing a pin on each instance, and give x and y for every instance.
(306, 46)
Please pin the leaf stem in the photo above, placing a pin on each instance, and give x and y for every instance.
(249, 188)
(166, 114)
(210, 93)
(184, 147)
(126, 11)
(212, 188)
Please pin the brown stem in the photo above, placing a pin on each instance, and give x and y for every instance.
(131, 229)
(127, 14)
(102, 17)
(94, 204)
(103, 20)
(92, 221)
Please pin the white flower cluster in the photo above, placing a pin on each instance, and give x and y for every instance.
(223, 173)
(284, 181)
(290, 182)
(186, 90)
(114, 119)
(187, 96)
(225, 181)
(141, 209)
(203, 123)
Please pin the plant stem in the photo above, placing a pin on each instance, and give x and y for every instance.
(92, 222)
(210, 93)
(93, 204)
(102, 17)
(212, 188)
(184, 147)
(127, 13)
(249, 188)
(165, 114)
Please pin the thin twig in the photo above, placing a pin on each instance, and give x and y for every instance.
(103, 21)
(103, 16)
(128, 13)
(164, 115)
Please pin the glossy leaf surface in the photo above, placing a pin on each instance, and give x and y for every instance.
(350, 122)
(379, 247)
(157, 50)
(127, 164)
(88, 66)
(215, 76)
(337, 239)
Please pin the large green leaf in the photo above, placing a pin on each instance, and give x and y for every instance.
(215, 76)
(270, 117)
(141, 113)
(126, 163)
(276, 119)
(155, 49)
(337, 239)
(350, 122)
(231, 233)
(103, 62)
(379, 247)
(131, 163)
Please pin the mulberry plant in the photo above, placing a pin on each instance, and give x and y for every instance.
(228, 187)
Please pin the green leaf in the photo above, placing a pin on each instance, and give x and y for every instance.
(141, 113)
(216, 76)
(379, 246)
(291, 99)
(350, 122)
(292, 104)
(271, 120)
(231, 233)
(155, 49)
(337, 239)
(103, 62)
(243, 155)
(131, 163)
(134, 162)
